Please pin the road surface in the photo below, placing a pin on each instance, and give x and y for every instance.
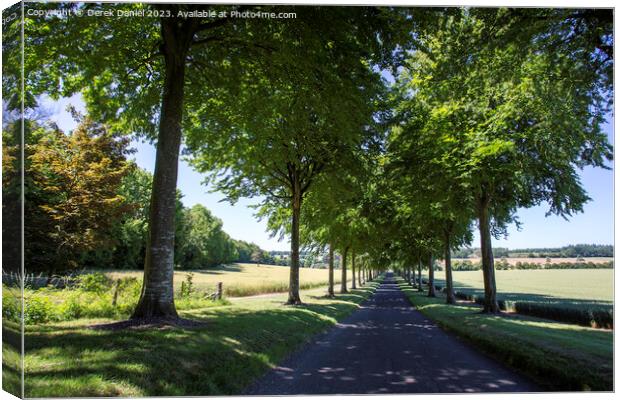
(388, 347)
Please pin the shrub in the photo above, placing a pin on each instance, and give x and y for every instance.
(39, 309)
(465, 266)
(593, 317)
(597, 318)
(96, 282)
(187, 286)
(11, 305)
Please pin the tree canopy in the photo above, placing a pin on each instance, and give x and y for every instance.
(384, 133)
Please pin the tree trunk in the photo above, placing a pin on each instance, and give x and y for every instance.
(360, 273)
(293, 289)
(420, 275)
(330, 289)
(157, 296)
(488, 267)
(431, 277)
(343, 283)
(450, 299)
(353, 285)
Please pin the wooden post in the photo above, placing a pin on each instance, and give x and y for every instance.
(115, 297)
(218, 292)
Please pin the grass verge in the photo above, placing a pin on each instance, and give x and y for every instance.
(239, 343)
(557, 356)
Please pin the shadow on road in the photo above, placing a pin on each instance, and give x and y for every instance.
(388, 347)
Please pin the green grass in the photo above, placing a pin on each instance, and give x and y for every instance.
(558, 356)
(578, 288)
(240, 342)
(245, 279)
(94, 294)
(11, 358)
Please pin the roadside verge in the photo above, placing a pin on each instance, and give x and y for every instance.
(557, 356)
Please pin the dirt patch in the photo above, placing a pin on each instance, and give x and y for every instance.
(151, 323)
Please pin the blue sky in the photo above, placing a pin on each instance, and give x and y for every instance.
(594, 225)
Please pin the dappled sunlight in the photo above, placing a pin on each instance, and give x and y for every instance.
(530, 343)
(386, 347)
(219, 357)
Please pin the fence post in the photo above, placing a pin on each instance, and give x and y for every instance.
(115, 297)
(218, 292)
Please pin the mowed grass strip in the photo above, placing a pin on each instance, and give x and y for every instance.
(244, 279)
(239, 343)
(557, 356)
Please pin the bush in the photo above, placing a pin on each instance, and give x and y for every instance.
(466, 266)
(96, 282)
(11, 305)
(39, 309)
(593, 317)
(95, 296)
(596, 318)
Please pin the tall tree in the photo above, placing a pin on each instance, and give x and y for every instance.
(147, 89)
(72, 193)
(516, 116)
(343, 270)
(278, 137)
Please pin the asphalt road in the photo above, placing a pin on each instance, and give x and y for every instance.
(388, 347)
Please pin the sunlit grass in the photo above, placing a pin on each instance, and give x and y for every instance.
(559, 356)
(245, 279)
(239, 342)
(568, 284)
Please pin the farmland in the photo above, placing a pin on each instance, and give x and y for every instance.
(577, 285)
(243, 279)
(582, 296)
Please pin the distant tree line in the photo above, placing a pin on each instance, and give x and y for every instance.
(571, 251)
(503, 264)
(89, 205)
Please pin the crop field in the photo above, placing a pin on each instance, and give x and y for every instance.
(244, 279)
(568, 288)
(542, 260)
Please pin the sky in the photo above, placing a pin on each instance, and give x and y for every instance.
(594, 225)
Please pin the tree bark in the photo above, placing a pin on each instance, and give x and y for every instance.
(431, 277)
(420, 275)
(450, 299)
(330, 289)
(353, 285)
(157, 296)
(293, 290)
(343, 283)
(488, 267)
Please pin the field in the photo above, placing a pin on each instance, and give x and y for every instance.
(542, 260)
(570, 286)
(557, 355)
(238, 343)
(582, 296)
(245, 279)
